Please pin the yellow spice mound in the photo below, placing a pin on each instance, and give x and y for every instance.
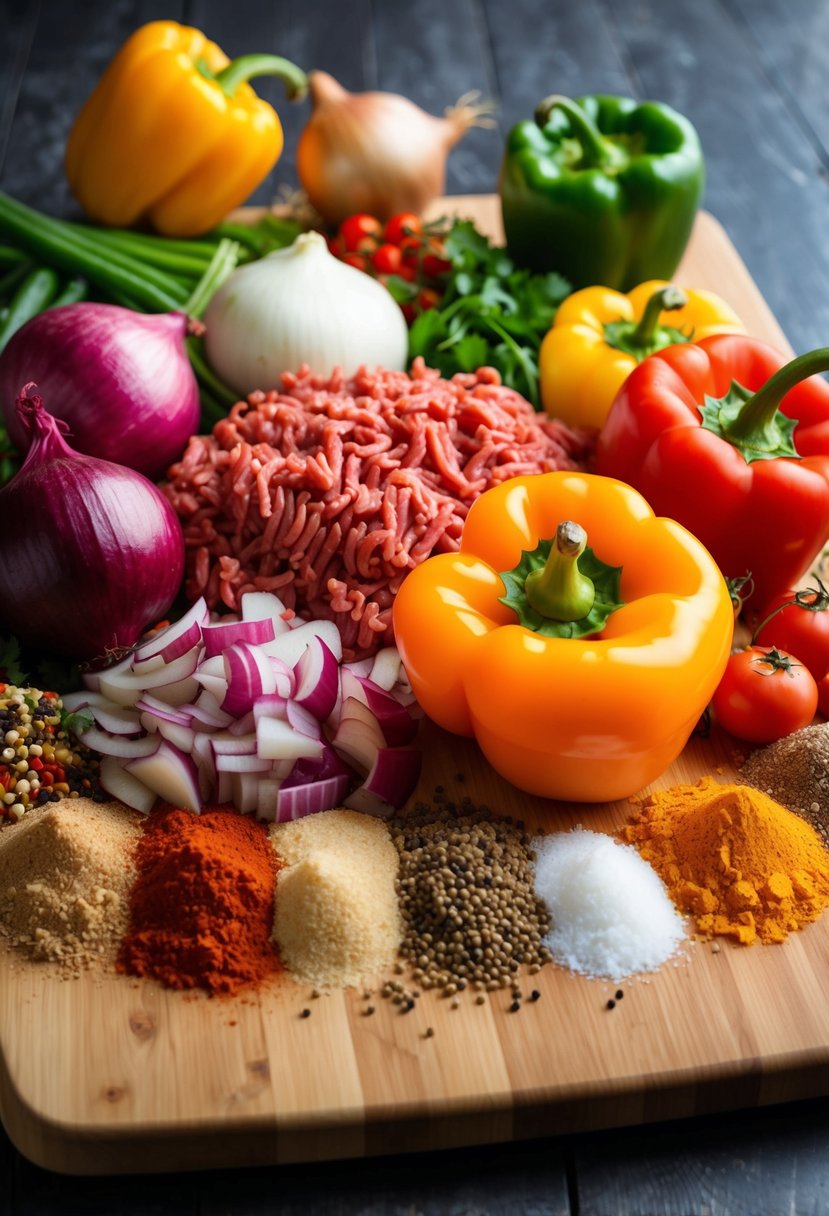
(336, 917)
(742, 865)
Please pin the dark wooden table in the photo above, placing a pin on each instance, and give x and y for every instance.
(752, 75)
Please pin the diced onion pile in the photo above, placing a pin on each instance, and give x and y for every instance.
(259, 712)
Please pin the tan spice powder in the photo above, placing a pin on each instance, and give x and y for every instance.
(65, 876)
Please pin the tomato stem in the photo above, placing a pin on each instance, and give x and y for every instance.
(810, 599)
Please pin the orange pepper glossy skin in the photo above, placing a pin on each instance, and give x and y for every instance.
(581, 373)
(159, 141)
(589, 719)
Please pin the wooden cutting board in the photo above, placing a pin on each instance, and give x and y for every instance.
(107, 1075)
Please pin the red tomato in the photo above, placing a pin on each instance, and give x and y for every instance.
(358, 260)
(387, 259)
(802, 628)
(404, 224)
(823, 696)
(435, 262)
(355, 228)
(427, 298)
(764, 695)
(411, 247)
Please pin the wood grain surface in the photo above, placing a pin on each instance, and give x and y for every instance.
(131, 1077)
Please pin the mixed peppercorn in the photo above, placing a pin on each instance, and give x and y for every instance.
(38, 760)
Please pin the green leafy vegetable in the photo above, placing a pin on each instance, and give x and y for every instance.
(491, 314)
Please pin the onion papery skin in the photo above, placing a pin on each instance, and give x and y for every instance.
(371, 152)
(92, 553)
(120, 379)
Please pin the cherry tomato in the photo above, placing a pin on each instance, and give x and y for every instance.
(823, 696)
(411, 247)
(336, 246)
(764, 695)
(427, 298)
(387, 259)
(358, 260)
(801, 628)
(409, 312)
(406, 223)
(435, 262)
(356, 228)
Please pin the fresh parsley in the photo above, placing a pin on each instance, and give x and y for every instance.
(492, 313)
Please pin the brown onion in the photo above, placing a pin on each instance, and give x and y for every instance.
(377, 152)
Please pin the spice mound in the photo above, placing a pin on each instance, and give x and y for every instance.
(611, 913)
(742, 865)
(336, 919)
(65, 874)
(201, 909)
(795, 772)
(328, 491)
(470, 913)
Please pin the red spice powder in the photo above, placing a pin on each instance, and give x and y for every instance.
(201, 909)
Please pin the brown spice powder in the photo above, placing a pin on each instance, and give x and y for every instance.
(65, 875)
(795, 772)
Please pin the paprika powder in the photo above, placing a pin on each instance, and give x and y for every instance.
(202, 906)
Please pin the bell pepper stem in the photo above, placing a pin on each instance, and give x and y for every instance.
(597, 152)
(760, 410)
(248, 66)
(664, 299)
(559, 590)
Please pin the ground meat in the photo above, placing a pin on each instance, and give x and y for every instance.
(328, 491)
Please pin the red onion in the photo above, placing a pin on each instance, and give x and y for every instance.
(120, 379)
(92, 553)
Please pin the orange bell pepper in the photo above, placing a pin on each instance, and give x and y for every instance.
(174, 134)
(599, 336)
(583, 703)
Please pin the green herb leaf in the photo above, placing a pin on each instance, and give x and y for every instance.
(492, 314)
(10, 669)
(606, 582)
(77, 722)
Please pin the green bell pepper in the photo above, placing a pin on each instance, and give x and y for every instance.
(603, 190)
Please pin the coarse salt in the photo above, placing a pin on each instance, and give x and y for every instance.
(611, 914)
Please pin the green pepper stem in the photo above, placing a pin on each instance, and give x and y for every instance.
(760, 410)
(664, 299)
(248, 66)
(597, 152)
(560, 591)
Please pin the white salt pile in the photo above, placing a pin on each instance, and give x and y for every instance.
(611, 914)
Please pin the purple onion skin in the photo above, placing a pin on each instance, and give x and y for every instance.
(120, 379)
(92, 553)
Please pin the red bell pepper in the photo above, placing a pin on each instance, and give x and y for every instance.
(731, 441)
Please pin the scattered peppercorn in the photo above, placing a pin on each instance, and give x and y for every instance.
(515, 1006)
(619, 994)
(611, 1004)
(368, 1011)
(429, 1033)
(306, 1013)
(535, 995)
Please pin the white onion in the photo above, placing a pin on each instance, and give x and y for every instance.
(299, 306)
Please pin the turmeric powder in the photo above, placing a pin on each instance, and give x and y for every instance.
(739, 863)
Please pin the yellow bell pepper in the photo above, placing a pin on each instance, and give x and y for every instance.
(580, 672)
(599, 336)
(173, 134)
